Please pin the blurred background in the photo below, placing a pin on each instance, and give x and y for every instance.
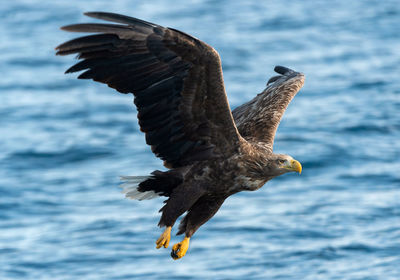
(64, 142)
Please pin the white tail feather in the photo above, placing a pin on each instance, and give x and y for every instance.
(130, 188)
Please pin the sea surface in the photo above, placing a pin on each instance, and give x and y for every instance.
(64, 143)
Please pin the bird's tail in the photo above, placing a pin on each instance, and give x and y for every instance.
(147, 187)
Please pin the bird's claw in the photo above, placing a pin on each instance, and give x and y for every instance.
(163, 240)
(180, 249)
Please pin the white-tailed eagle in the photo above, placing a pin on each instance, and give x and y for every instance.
(211, 152)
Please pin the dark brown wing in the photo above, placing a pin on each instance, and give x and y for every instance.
(258, 119)
(176, 80)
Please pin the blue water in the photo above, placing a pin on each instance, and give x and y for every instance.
(64, 142)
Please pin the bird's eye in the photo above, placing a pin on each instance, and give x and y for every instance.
(281, 161)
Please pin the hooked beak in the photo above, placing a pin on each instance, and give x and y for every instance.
(294, 165)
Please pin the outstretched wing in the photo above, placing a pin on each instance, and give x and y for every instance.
(258, 119)
(176, 80)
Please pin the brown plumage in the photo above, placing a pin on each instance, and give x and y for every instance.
(183, 110)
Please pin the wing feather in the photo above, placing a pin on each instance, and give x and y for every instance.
(258, 119)
(176, 80)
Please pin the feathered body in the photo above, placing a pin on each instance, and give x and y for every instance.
(177, 81)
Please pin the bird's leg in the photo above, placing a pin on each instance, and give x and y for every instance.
(198, 214)
(164, 238)
(177, 204)
(179, 249)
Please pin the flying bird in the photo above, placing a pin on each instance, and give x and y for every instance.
(210, 152)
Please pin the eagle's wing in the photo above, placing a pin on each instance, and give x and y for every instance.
(258, 119)
(176, 80)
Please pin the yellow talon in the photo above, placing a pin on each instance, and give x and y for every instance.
(179, 249)
(164, 238)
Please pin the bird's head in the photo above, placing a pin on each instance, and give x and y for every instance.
(280, 164)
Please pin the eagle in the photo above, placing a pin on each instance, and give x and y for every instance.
(209, 151)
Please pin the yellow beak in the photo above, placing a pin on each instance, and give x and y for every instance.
(295, 166)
